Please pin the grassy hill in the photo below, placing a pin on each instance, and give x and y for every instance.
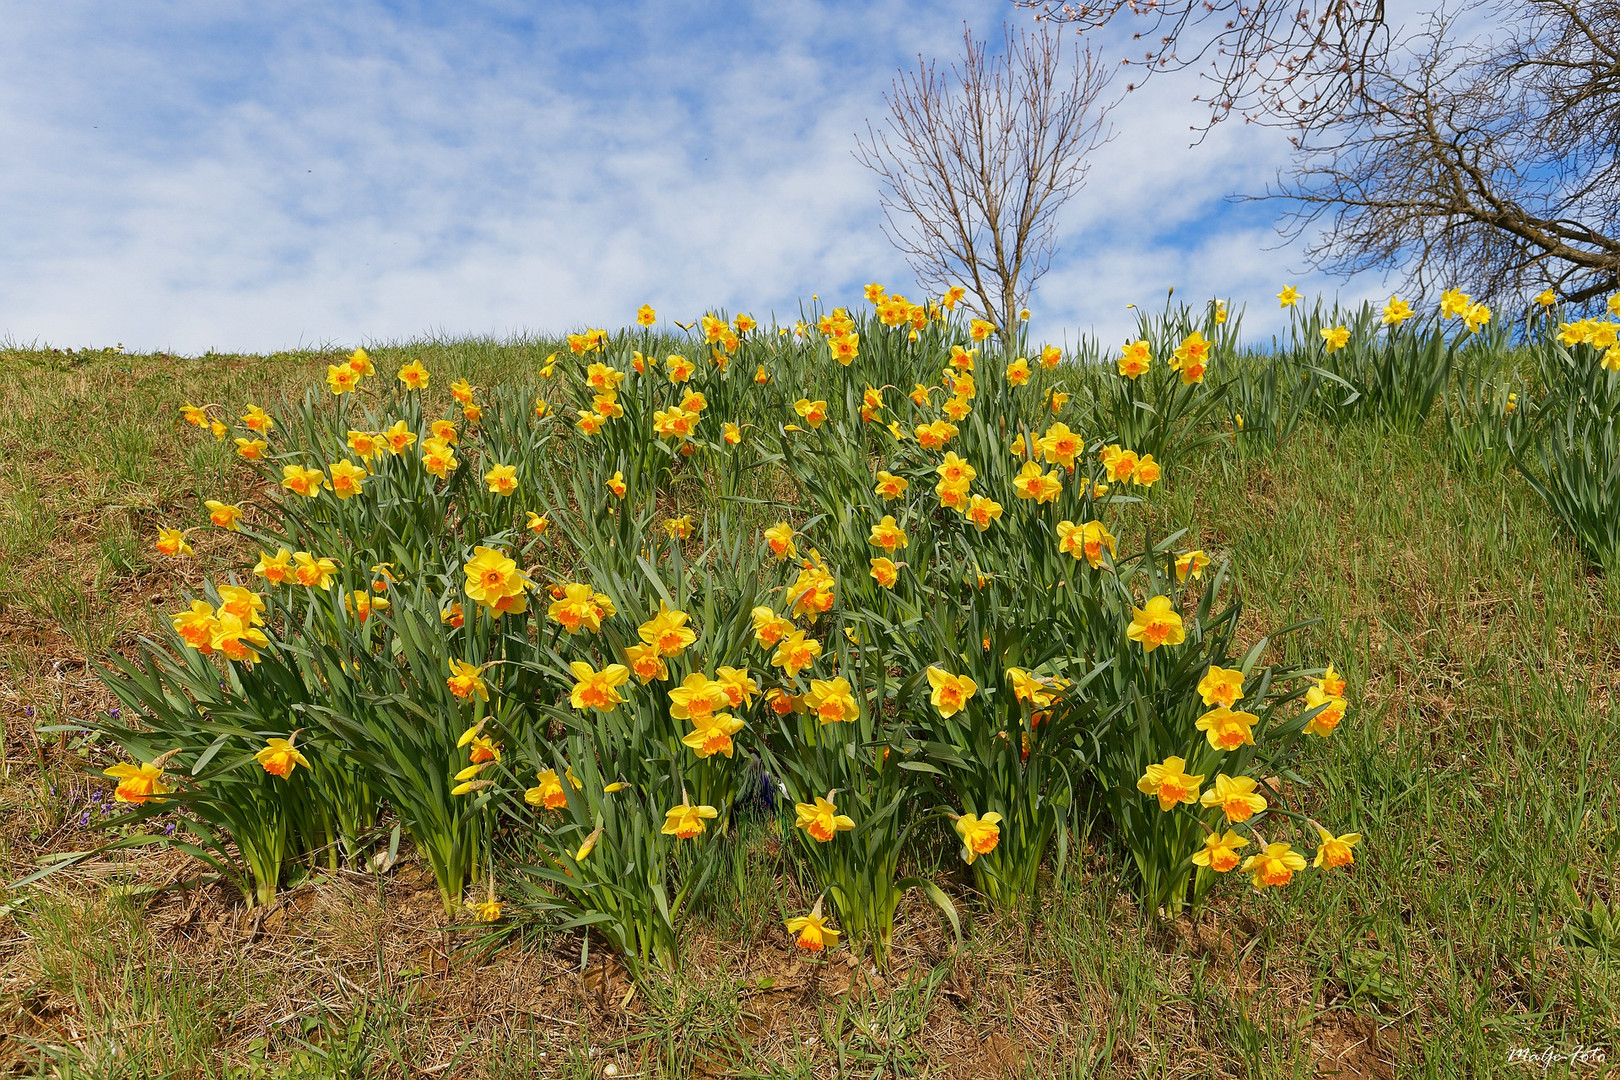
(1480, 758)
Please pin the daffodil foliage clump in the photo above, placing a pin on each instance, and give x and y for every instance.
(876, 573)
(1540, 392)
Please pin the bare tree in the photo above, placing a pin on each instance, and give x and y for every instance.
(978, 159)
(1492, 158)
(1495, 163)
(1294, 62)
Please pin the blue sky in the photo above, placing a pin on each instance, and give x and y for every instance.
(254, 176)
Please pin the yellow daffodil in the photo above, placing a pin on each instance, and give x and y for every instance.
(502, 479)
(1334, 851)
(955, 469)
(256, 419)
(1221, 686)
(1088, 541)
(1191, 564)
(1135, 360)
(821, 819)
(769, 627)
(1031, 483)
(1275, 866)
(953, 494)
(934, 436)
(981, 511)
(1220, 851)
(687, 821)
(1331, 682)
(738, 686)
(1033, 690)
(579, 607)
(667, 631)
(414, 375)
(812, 591)
(950, 692)
(1059, 445)
(347, 479)
(438, 459)
(814, 413)
(495, 582)
(832, 701)
(244, 603)
(341, 378)
(712, 734)
(140, 782)
(1156, 624)
(1147, 471)
(885, 571)
(363, 604)
(280, 757)
(1235, 797)
(887, 535)
(795, 653)
(597, 689)
(196, 626)
(979, 835)
(399, 438)
(1335, 337)
(646, 663)
(1119, 462)
(697, 698)
(172, 542)
(812, 932)
(1332, 711)
(1170, 783)
(238, 640)
(1228, 729)
(312, 572)
(302, 481)
(466, 680)
(780, 539)
(548, 792)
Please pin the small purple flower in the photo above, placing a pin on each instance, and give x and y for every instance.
(84, 818)
(29, 712)
(168, 830)
(115, 712)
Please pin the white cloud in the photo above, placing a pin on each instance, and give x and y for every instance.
(223, 178)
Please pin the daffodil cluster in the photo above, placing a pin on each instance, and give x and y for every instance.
(883, 574)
